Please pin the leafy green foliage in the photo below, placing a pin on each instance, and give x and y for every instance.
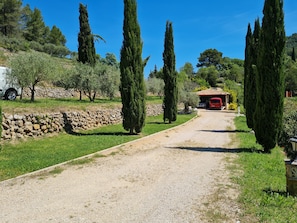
(102, 78)
(22, 29)
(210, 57)
(29, 69)
(290, 75)
(109, 80)
(56, 37)
(291, 43)
(155, 86)
(155, 73)
(188, 69)
(289, 128)
(35, 27)
(236, 94)
(210, 74)
(9, 17)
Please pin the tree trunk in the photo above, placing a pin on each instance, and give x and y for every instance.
(80, 95)
(33, 93)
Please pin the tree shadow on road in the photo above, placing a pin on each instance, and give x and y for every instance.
(101, 134)
(226, 131)
(218, 149)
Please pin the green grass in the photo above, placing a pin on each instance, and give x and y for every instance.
(262, 180)
(20, 158)
(53, 105)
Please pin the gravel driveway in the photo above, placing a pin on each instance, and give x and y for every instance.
(178, 175)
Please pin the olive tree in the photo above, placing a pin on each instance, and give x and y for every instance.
(108, 79)
(32, 68)
(155, 86)
(91, 81)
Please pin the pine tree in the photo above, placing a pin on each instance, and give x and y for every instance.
(86, 47)
(169, 76)
(56, 37)
(9, 17)
(132, 86)
(270, 76)
(252, 42)
(35, 27)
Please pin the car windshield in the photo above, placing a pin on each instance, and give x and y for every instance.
(215, 101)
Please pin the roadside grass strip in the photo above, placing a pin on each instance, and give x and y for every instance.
(263, 196)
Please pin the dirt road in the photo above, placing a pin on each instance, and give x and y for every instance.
(179, 175)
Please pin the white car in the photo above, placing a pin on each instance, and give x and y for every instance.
(9, 90)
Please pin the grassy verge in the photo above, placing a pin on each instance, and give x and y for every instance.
(20, 158)
(262, 181)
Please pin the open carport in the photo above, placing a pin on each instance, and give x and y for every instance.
(205, 95)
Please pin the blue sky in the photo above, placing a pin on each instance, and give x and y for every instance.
(197, 25)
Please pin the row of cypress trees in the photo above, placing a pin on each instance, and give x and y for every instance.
(132, 87)
(264, 75)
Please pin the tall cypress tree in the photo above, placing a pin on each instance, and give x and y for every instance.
(169, 76)
(250, 69)
(86, 46)
(270, 76)
(132, 86)
(247, 66)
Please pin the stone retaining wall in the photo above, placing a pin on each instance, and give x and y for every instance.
(36, 125)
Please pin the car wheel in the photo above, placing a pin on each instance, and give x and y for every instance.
(10, 94)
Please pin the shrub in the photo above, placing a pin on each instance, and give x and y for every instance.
(57, 51)
(289, 130)
(232, 106)
(36, 46)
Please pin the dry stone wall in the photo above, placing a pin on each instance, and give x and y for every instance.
(36, 125)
